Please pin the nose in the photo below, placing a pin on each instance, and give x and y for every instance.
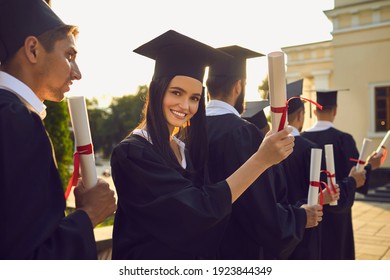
(184, 104)
(75, 74)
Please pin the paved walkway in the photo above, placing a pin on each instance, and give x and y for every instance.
(371, 222)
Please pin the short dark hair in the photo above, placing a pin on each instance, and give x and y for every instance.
(220, 86)
(49, 38)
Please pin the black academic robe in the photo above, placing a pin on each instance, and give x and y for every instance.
(162, 214)
(259, 227)
(32, 200)
(297, 170)
(337, 229)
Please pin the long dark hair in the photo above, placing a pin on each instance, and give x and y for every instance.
(194, 134)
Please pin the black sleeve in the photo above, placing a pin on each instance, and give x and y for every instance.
(32, 198)
(164, 204)
(277, 227)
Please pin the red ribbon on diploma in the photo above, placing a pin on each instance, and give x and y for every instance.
(330, 175)
(80, 150)
(318, 184)
(283, 110)
(358, 161)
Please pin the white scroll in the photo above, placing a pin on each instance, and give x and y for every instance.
(277, 90)
(384, 144)
(364, 153)
(82, 135)
(329, 158)
(315, 169)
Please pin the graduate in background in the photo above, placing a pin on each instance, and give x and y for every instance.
(166, 207)
(38, 63)
(260, 227)
(337, 230)
(254, 113)
(297, 172)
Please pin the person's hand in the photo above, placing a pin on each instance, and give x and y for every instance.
(313, 215)
(359, 176)
(98, 202)
(375, 160)
(333, 196)
(276, 146)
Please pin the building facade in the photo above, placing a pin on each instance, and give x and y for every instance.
(357, 59)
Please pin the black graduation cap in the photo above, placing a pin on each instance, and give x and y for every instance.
(176, 54)
(235, 67)
(254, 112)
(294, 89)
(327, 98)
(20, 19)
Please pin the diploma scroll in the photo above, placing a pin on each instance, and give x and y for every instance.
(364, 153)
(384, 145)
(82, 135)
(277, 90)
(315, 169)
(329, 158)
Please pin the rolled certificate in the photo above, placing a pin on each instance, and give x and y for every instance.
(315, 169)
(364, 152)
(83, 141)
(277, 90)
(384, 145)
(329, 158)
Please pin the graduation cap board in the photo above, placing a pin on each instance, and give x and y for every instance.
(328, 98)
(235, 67)
(294, 89)
(20, 19)
(254, 112)
(176, 54)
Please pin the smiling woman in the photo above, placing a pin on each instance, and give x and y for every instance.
(166, 207)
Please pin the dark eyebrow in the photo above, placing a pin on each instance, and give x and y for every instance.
(178, 88)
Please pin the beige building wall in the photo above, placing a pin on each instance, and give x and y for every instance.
(358, 58)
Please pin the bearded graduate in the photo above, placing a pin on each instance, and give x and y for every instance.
(261, 226)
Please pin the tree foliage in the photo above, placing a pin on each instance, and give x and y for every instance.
(57, 124)
(109, 126)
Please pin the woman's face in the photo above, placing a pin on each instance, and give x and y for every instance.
(181, 100)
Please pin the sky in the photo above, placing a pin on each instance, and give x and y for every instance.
(111, 30)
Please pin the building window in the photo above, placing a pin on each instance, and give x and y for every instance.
(382, 108)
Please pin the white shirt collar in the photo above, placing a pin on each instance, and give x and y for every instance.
(295, 131)
(320, 126)
(25, 94)
(143, 133)
(217, 107)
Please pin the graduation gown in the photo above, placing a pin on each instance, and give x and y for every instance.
(31, 196)
(162, 214)
(337, 230)
(297, 170)
(259, 227)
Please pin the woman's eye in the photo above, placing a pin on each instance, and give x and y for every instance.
(195, 98)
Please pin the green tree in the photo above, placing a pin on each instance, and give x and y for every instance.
(97, 119)
(264, 88)
(126, 113)
(57, 123)
(110, 125)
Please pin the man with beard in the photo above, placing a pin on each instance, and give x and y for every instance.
(260, 227)
(37, 63)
